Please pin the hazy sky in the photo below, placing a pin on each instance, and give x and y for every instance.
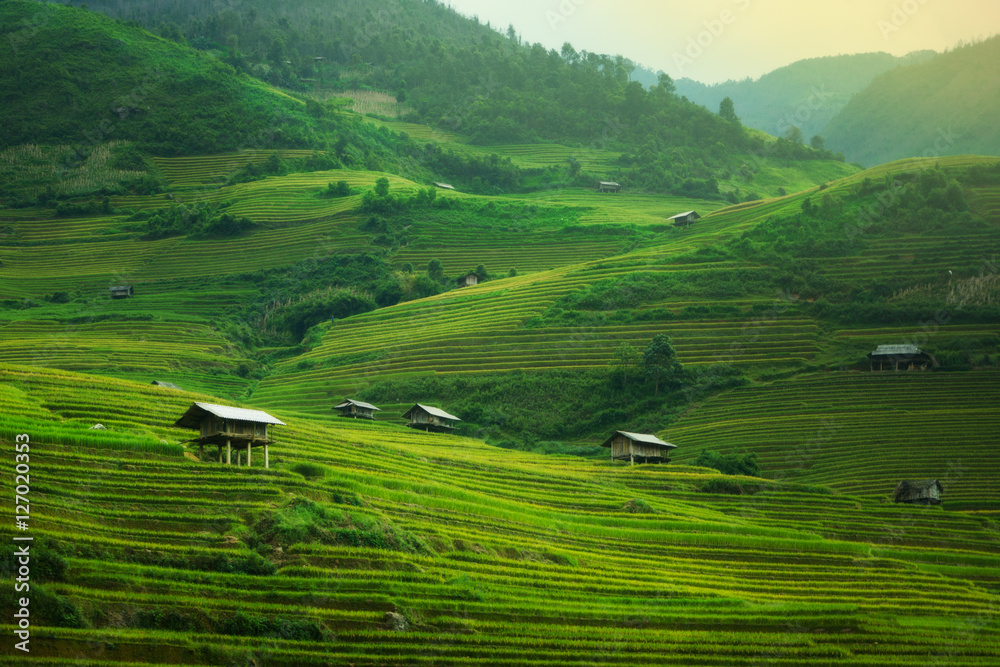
(715, 40)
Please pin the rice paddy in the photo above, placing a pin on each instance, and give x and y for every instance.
(489, 556)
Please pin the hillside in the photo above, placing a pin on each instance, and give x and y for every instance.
(482, 83)
(324, 262)
(940, 107)
(806, 94)
(368, 543)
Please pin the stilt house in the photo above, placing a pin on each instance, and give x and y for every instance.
(468, 280)
(684, 219)
(356, 409)
(165, 385)
(427, 418)
(921, 492)
(909, 357)
(639, 447)
(121, 292)
(224, 425)
(608, 186)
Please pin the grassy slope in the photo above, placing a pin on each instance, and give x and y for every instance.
(941, 107)
(78, 78)
(513, 558)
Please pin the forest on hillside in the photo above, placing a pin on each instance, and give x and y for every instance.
(452, 72)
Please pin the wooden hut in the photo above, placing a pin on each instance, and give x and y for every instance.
(608, 186)
(908, 356)
(224, 425)
(121, 292)
(427, 418)
(444, 186)
(356, 409)
(921, 492)
(631, 447)
(468, 280)
(684, 219)
(165, 385)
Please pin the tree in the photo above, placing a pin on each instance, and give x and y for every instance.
(382, 187)
(626, 359)
(435, 269)
(659, 360)
(481, 273)
(728, 111)
(818, 143)
(794, 134)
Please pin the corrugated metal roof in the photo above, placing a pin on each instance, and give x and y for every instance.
(360, 404)
(437, 412)
(638, 437)
(192, 417)
(684, 215)
(889, 350)
(611, 183)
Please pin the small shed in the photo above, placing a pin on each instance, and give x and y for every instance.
(684, 219)
(121, 292)
(468, 280)
(608, 186)
(920, 492)
(165, 385)
(224, 425)
(444, 186)
(427, 418)
(908, 356)
(356, 409)
(631, 447)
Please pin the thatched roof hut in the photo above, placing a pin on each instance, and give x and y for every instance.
(684, 219)
(356, 409)
(225, 425)
(631, 447)
(908, 356)
(165, 385)
(920, 492)
(428, 418)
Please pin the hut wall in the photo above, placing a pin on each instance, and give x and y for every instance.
(622, 447)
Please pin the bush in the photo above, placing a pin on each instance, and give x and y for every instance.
(309, 470)
(737, 463)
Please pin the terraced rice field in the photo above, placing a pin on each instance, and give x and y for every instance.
(499, 557)
(863, 433)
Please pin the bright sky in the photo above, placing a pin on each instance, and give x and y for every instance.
(715, 40)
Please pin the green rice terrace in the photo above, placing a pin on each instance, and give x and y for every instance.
(368, 543)
(729, 296)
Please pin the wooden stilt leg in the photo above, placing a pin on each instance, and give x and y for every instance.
(267, 462)
(248, 454)
(229, 453)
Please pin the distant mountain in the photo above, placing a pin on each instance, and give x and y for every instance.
(806, 94)
(945, 106)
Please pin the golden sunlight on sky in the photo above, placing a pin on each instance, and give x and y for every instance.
(715, 40)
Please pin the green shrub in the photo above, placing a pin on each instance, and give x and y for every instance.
(309, 470)
(736, 463)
